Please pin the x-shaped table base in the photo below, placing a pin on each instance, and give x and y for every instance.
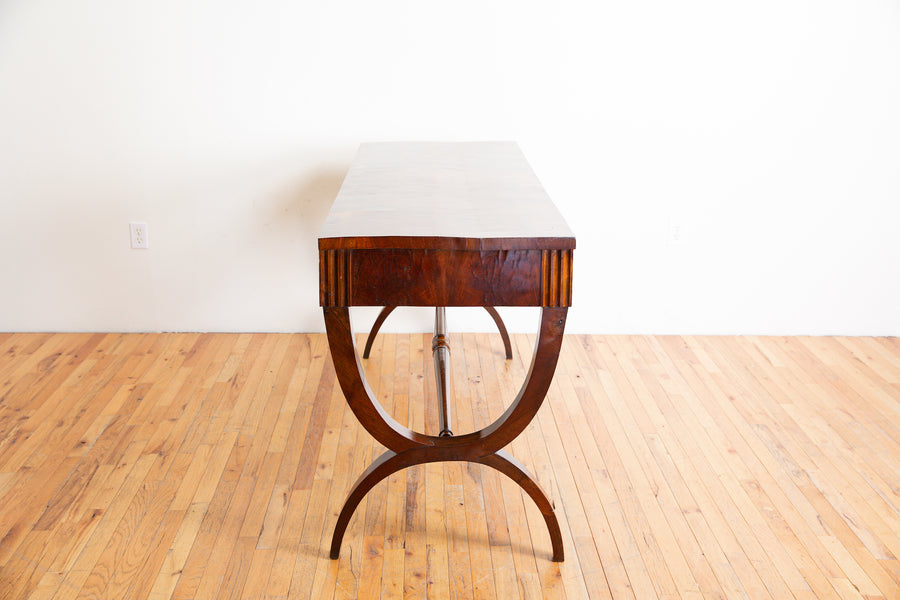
(407, 448)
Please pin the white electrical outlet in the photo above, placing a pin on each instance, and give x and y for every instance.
(675, 235)
(139, 235)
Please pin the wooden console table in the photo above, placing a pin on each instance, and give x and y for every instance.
(444, 224)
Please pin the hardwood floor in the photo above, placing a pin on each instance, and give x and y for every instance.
(213, 466)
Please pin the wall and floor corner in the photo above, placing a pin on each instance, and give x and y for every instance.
(726, 167)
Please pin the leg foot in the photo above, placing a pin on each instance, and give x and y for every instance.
(512, 468)
(384, 466)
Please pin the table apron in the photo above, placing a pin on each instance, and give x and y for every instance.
(403, 277)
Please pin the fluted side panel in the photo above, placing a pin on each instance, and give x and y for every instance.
(556, 277)
(334, 277)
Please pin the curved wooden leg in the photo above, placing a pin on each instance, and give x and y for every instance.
(512, 468)
(387, 310)
(503, 333)
(379, 321)
(384, 466)
(530, 397)
(390, 462)
(407, 448)
(371, 415)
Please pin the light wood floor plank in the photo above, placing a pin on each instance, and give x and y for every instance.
(762, 476)
(214, 466)
(779, 436)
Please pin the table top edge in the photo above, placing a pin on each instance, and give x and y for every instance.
(445, 243)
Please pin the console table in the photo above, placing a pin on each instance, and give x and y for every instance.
(444, 224)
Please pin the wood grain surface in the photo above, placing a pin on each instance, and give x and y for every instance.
(443, 195)
(154, 466)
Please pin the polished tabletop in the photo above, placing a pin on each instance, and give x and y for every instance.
(443, 195)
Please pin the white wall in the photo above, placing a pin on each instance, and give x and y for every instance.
(727, 167)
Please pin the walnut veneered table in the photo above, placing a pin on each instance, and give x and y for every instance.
(444, 224)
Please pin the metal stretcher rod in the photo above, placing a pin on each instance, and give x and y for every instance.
(441, 351)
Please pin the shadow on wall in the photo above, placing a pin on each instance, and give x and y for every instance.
(310, 202)
(300, 208)
(297, 213)
(258, 268)
(315, 196)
